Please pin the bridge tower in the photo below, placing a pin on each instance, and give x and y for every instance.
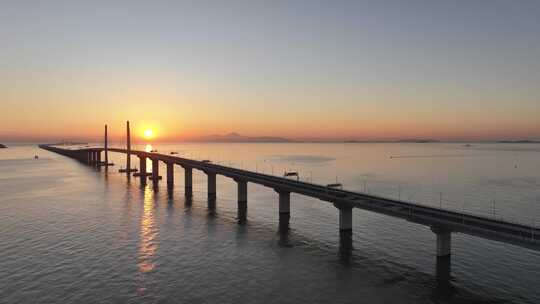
(128, 159)
(106, 144)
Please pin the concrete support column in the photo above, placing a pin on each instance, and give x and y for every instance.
(442, 273)
(284, 210)
(89, 156)
(170, 175)
(444, 241)
(142, 166)
(345, 226)
(211, 186)
(345, 218)
(188, 182)
(155, 170)
(242, 201)
(98, 158)
(444, 251)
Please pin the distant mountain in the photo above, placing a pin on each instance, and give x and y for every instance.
(3, 146)
(235, 137)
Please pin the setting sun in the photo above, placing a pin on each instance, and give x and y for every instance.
(148, 134)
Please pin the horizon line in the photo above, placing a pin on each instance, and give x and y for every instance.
(352, 141)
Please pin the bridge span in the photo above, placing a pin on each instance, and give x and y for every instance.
(442, 222)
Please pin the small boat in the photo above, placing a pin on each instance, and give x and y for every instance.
(173, 153)
(153, 151)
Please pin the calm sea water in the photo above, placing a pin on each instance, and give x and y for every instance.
(73, 234)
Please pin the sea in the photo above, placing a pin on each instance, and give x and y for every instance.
(70, 233)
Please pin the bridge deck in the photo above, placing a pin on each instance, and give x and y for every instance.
(480, 226)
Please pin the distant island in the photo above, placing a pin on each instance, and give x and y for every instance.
(237, 138)
(234, 137)
(407, 140)
(3, 146)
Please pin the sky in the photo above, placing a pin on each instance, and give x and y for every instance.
(366, 70)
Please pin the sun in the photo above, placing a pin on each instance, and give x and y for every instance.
(148, 134)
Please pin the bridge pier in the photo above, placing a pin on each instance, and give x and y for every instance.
(284, 210)
(442, 275)
(443, 263)
(142, 171)
(170, 175)
(155, 170)
(89, 158)
(211, 185)
(98, 159)
(94, 158)
(242, 201)
(188, 181)
(444, 241)
(345, 226)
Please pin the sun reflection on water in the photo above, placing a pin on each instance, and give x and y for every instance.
(148, 245)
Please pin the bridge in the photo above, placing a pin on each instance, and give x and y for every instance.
(442, 222)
